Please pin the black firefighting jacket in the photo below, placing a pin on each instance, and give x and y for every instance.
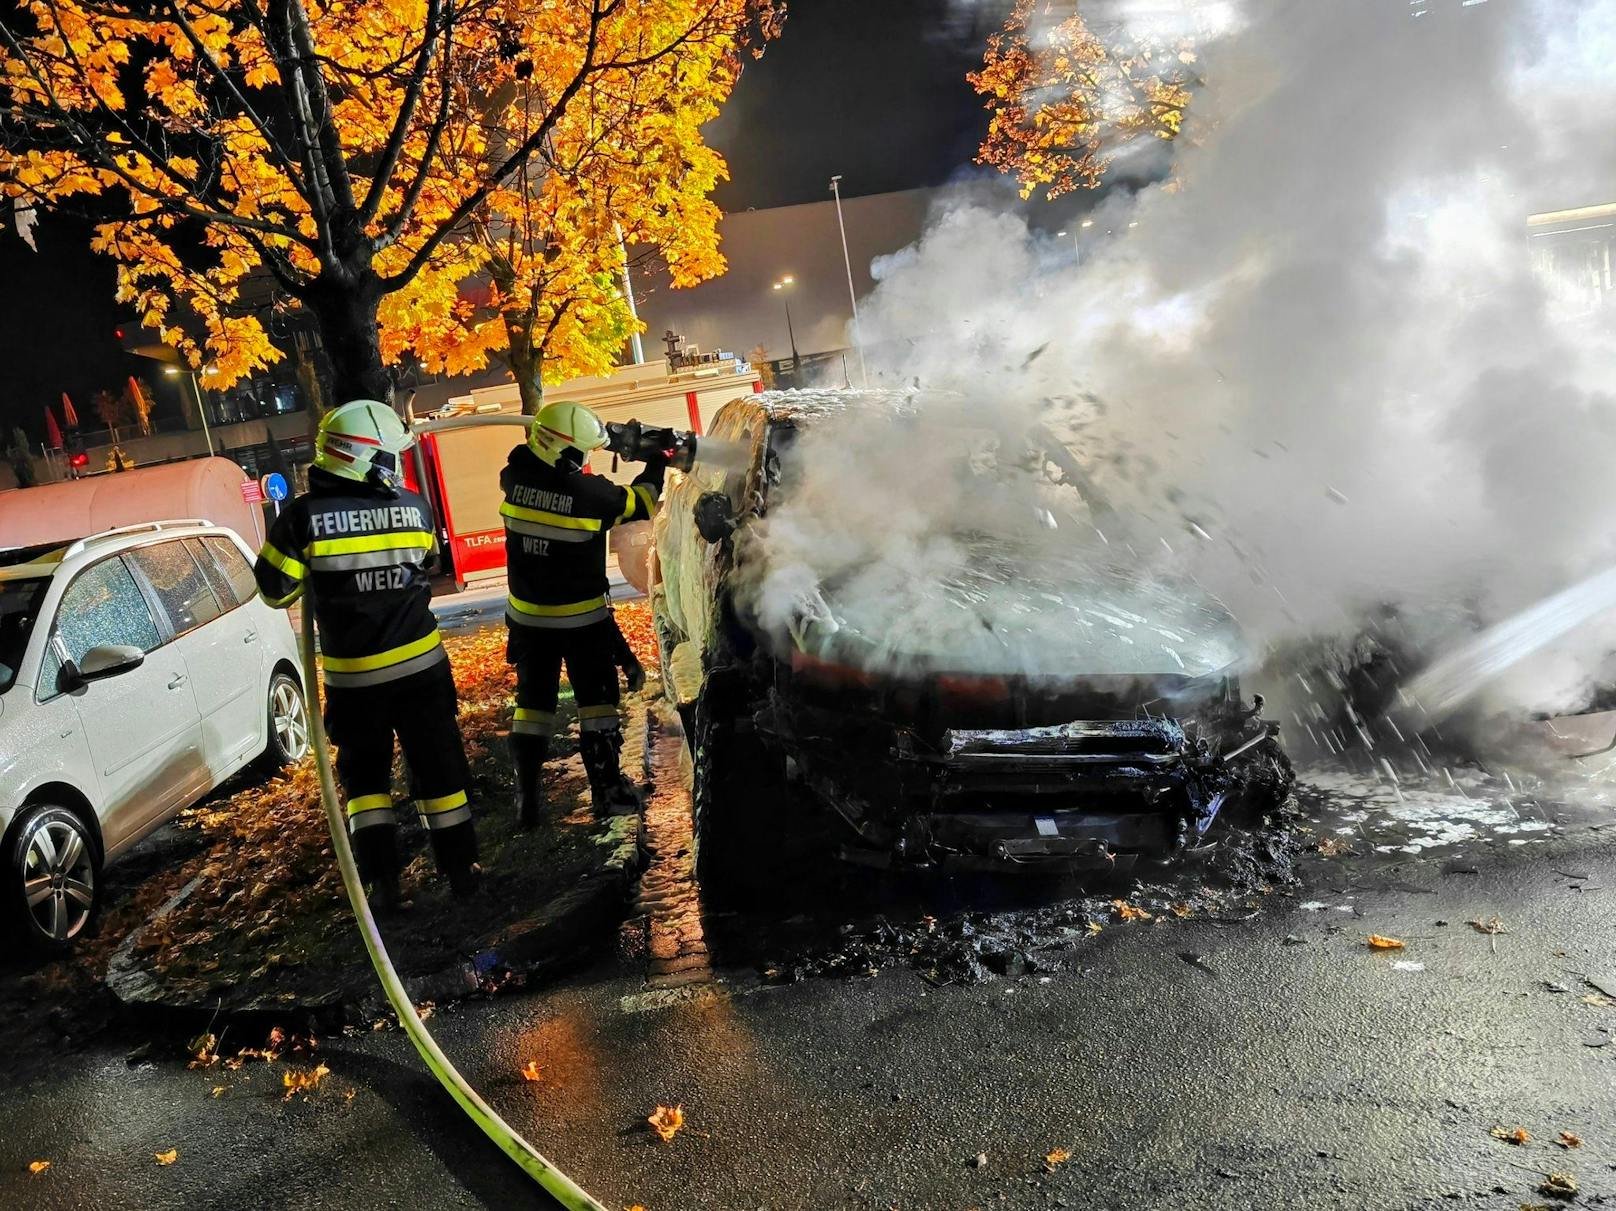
(365, 553)
(555, 537)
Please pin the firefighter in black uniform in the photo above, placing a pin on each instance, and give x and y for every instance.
(361, 541)
(556, 518)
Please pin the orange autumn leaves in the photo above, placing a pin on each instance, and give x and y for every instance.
(1067, 98)
(667, 1121)
(384, 151)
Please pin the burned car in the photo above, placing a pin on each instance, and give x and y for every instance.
(926, 648)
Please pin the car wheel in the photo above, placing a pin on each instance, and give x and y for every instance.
(53, 877)
(736, 796)
(288, 725)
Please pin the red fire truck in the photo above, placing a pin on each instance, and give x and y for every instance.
(462, 449)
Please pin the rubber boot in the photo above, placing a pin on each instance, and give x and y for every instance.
(375, 851)
(455, 849)
(610, 793)
(529, 754)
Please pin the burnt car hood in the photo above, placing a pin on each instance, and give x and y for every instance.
(1053, 617)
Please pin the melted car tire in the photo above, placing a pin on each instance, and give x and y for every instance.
(734, 781)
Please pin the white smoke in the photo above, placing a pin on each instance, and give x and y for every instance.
(1317, 373)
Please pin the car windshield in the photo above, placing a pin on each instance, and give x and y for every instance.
(19, 606)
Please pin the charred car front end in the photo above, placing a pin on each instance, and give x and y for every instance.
(945, 745)
(986, 773)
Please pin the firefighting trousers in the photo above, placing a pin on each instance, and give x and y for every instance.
(420, 710)
(589, 654)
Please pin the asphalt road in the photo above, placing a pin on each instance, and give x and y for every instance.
(1290, 1065)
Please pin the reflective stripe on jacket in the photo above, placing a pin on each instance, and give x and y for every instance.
(556, 522)
(365, 553)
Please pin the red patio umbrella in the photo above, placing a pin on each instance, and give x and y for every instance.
(70, 418)
(53, 433)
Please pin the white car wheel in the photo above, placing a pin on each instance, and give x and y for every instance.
(288, 726)
(53, 871)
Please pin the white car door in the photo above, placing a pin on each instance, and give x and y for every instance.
(142, 725)
(220, 647)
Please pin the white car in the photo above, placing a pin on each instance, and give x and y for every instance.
(139, 669)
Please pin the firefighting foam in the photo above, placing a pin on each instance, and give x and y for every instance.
(1314, 372)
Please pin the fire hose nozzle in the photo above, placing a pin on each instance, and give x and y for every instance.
(634, 442)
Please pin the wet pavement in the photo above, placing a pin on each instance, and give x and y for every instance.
(1256, 1052)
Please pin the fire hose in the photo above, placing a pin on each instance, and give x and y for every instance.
(561, 1187)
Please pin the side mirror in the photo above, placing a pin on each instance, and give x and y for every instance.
(715, 520)
(108, 660)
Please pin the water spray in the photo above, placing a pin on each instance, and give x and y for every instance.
(1462, 673)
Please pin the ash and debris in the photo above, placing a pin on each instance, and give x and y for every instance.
(1223, 882)
(1337, 814)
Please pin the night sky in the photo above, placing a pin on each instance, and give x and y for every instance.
(872, 89)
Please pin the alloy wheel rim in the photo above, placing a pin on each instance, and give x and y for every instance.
(58, 880)
(291, 732)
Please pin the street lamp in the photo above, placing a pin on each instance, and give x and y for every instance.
(201, 404)
(852, 297)
(781, 285)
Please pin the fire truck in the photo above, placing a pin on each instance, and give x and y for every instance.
(457, 469)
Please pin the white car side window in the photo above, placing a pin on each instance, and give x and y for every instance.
(179, 583)
(102, 606)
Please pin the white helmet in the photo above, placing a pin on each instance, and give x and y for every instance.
(562, 427)
(363, 441)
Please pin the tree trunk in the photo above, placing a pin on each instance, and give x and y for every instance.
(347, 315)
(526, 367)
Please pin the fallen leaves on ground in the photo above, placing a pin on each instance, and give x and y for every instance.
(530, 1072)
(304, 1082)
(1569, 1139)
(167, 1158)
(1056, 1157)
(1512, 1135)
(1382, 942)
(38, 1166)
(1334, 847)
(204, 1050)
(1559, 1185)
(666, 1121)
(217, 1091)
(1130, 912)
(1594, 998)
(634, 620)
(1494, 925)
(268, 862)
(424, 1010)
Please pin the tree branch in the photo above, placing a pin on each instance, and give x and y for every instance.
(406, 113)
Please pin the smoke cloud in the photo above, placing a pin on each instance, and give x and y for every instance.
(1313, 375)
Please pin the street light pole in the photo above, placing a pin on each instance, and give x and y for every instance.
(202, 410)
(628, 295)
(201, 404)
(847, 261)
(781, 287)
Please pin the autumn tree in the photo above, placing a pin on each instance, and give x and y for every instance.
(1068, 96)
(344, 149)
(541, 268)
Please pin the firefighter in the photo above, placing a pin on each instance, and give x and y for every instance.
(362, 541)
(556, 518)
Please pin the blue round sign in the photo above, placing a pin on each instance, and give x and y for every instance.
(274, 485)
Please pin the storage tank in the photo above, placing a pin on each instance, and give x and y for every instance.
(208, 488)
